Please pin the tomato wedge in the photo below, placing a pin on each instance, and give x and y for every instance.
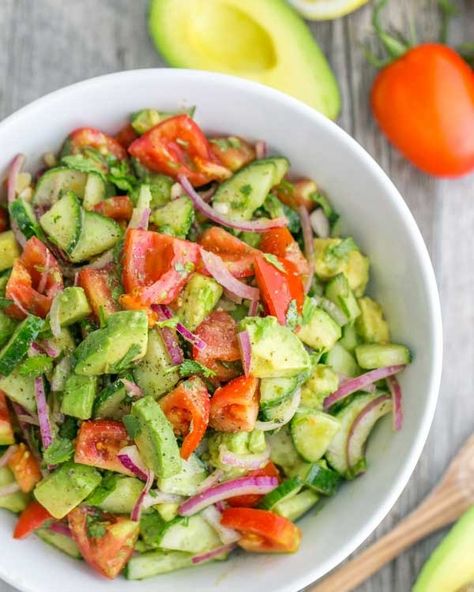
(119, 207)
(34, 281)
(156, 267)
(237, 255)
(98, 443)
(4, 222)
(219, 332)
(89, 137)
(262, 531)
(25, 468)
(95, 283)
(234, 153)
(297, 193)
(177, 146)
(280, 242)
(252, 499)
(187, 408)
(234, 407)
(279, 286)
(106, 541)
(126, 135)
(33, 516)
(6, 430)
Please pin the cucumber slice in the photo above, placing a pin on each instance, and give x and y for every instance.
(284, 491)
(153, 563)
(336, 454)
(124, 497)
(191, 535)
(7, 327)
(283, 452)
(9, 250)
(57, 180)
(273, 391)
(17, 346)
(22, 212)
(63, 222)
(192, 474)
(175, 218)
(154, 373)
(375, 355)
(339, 292)
(318, 477)
(280, 413)
(239, 196)
(113, 402)
(312, 432)
(350, 339)
(94, 191)
(342, 361)
(60, 541)
(98, 234)
(297, 505)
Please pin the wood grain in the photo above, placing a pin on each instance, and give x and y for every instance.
(47, 44)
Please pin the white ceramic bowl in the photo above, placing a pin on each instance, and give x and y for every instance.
(402, 278)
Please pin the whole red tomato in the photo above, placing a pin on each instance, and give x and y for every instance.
(424, 103)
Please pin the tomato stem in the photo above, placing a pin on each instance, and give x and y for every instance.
(394, 46)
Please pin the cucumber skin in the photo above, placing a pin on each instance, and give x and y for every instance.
(17, 346)
(286, 490)
(374, 355)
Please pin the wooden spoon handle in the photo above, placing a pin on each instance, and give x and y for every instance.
(442, 507)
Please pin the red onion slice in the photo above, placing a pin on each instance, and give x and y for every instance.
(266, 426)
(137, 508)
(9, 489)
(132, 388)
(61, 528)
(320, 223)
(308, 244)
(253, 308)
(396, 392)
(180, 328)
(169, 337)
(213, 517)
(100, 262)
(159, 497)
(217, 268)
(49, 348)
(361, 428)
(211, 480)
(43, 413)
(6, 456)
(261, 149)
(131, 460)
(45, 273)
(259, 225)
(359, 383)
(54, 321)
(235, 487)
(210, 555)
(15, 168)
(245, 351)
(244, 461)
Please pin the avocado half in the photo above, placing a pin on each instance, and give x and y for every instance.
(451, 566)
(263, 40)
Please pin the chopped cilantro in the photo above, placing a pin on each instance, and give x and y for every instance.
(121, 176)
(190, 367)
(68, 429)
(96, 528)
(246, 190)
(80, 162)
(60, 451)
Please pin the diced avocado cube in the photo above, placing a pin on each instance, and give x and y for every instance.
(186, 482)
(116, 494)
(322, 382)
(7, 327)
(73, 306)
(20, 389)
(168, 511)
(15, 502)
(198, 300)
(320, 331)
(115, 347)
(337, 255)
(66, 487)
(175, 218)
(154, 373)
(9, 249)
(371, 325)
(275, 350)
(142, 121)
(339, 292)
(79, 395)
(312, 432)
(155, 439)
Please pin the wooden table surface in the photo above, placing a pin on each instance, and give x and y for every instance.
(47, 44)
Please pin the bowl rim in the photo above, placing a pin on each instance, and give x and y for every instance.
(391, 193)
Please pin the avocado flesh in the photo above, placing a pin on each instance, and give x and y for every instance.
(451, 565)
(262, 40)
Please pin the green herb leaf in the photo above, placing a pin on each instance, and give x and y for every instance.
(96, 528)
(132, 425)
(60, 451)
(68, 429)
(79, 162)
(4, 302)
(190, 367)
(274, 261)
(36, 366)
(121, 176)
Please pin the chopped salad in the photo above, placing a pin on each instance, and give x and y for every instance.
(188, 358)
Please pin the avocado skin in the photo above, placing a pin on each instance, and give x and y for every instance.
(155, 439)
(65, 488)
(451, 565)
